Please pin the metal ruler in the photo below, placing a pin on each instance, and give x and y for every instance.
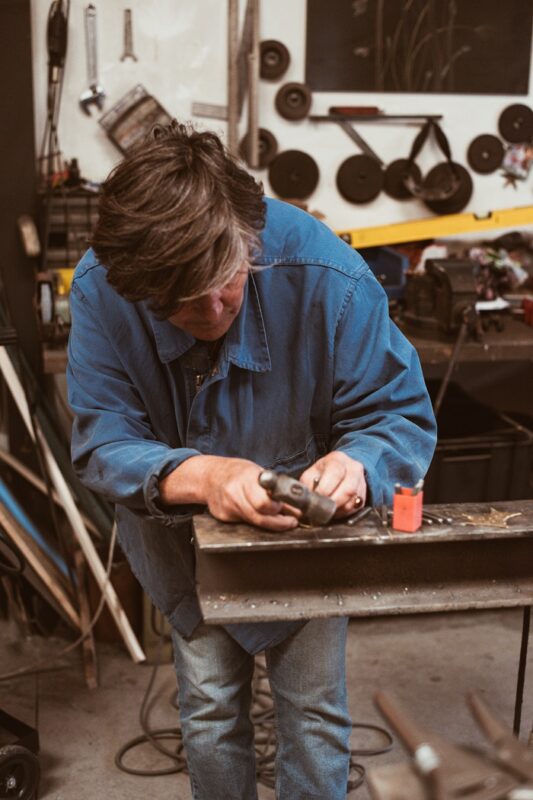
(238, 66)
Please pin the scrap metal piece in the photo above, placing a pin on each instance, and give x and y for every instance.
(510, 751)
(494, 519)
(448, 771)
(357, 516)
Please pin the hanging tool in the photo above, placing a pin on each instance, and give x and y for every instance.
(51, 162)
(317, 508)
(95, 94)
(128, 37)
(56, 40)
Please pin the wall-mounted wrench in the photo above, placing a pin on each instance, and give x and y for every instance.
(95, 93)
(128, 37)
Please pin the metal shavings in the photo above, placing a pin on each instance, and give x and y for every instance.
(495, 519)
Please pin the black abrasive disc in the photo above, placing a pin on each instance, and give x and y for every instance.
(442, 176)
(360, 179)
(293, 175)
(293, 100)
(516, 124)
(485, 153)
(395, 176)
(274, 59)
(268, 148)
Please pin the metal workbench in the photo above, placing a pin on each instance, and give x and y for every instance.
(513, 343)
(245, 574)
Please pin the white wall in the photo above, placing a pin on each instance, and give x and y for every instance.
(181, 45)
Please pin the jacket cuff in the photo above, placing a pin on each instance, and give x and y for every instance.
(168, 515)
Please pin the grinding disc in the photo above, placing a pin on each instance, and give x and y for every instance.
(359, 179)
(293, 175)
(442, 176)
(516, 124)
(395, 176)
(485, 153)
(268, 147)
(274, 59)
(293, 100)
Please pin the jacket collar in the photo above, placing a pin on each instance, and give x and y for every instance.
(246, 341)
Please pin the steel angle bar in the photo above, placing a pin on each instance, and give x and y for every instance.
(233, 76)
(356, 137)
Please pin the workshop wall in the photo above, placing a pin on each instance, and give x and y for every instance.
(181, 50)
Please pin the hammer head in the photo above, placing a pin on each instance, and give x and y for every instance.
(93, 96)
(317, 508)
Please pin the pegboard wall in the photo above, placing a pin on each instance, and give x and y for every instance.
(181, 51)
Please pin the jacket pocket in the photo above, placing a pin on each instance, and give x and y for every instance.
(295, 463)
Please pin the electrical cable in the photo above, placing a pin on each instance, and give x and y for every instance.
(44, 666)
(263, 719)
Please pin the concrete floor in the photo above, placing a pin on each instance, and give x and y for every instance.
(429, 662)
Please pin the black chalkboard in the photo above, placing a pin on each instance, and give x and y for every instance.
(455, 46)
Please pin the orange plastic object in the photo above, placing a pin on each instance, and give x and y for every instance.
(527, 305)
(407, 509)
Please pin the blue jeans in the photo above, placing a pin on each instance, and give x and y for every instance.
(307, 678)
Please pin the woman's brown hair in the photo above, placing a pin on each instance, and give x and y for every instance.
(178, 217)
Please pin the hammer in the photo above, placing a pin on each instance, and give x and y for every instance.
(317, 508)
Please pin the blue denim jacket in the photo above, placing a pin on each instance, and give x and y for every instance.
(312, 363)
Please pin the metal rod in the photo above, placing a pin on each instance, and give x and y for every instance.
(233, 75)
(461, 337)
(253, 90)
(526, 618)
(372, 117)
